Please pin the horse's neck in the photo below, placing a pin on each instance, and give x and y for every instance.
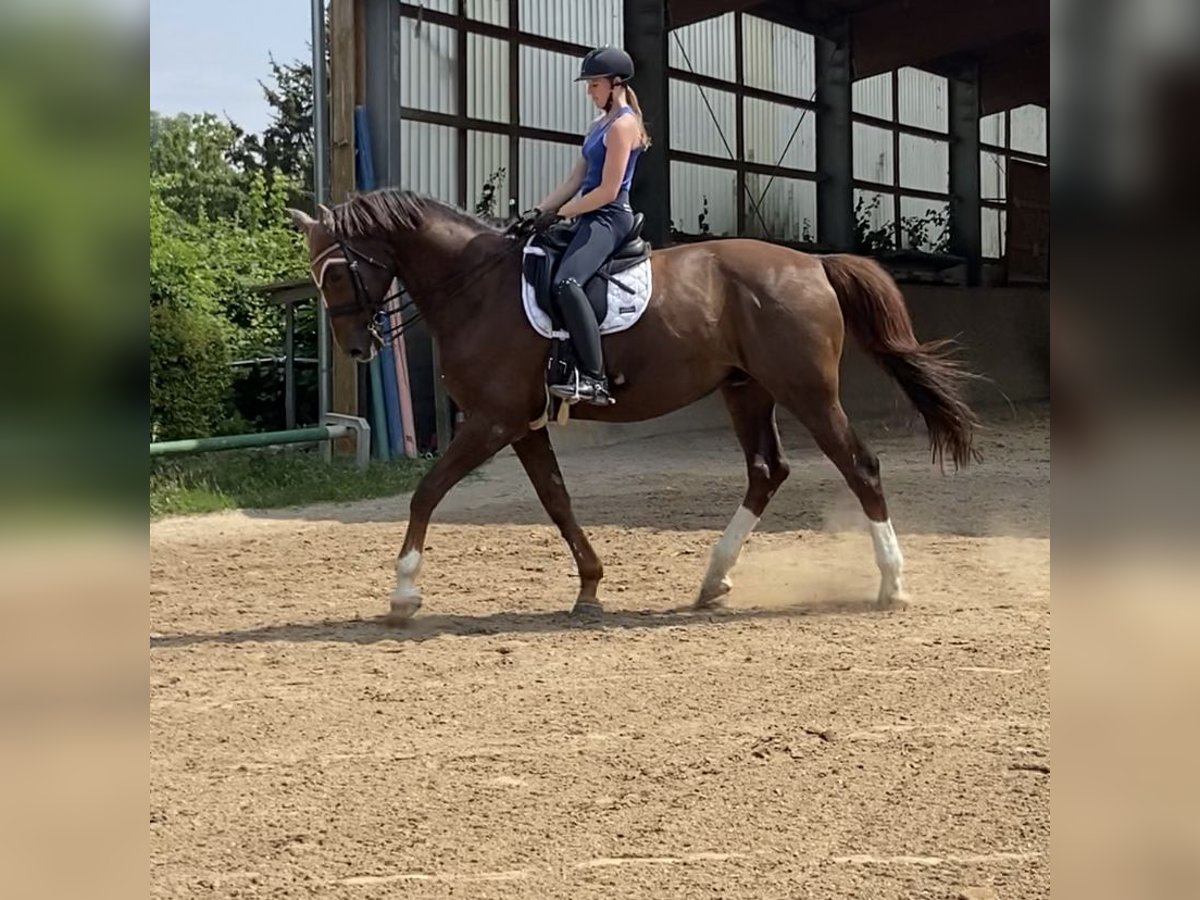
(435, 264)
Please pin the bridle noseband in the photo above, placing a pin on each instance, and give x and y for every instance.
(349, 257)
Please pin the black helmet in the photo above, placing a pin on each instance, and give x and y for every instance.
(606, 62)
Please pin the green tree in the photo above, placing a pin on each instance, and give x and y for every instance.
(194, 158)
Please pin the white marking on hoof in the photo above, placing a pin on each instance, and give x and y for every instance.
(403, 607)
(891, 564)
(406, 598)
(724, 557)
(713, 596)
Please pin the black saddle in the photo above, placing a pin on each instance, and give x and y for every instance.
(540, 270)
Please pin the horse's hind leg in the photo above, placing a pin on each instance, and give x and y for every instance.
(860, 467)
(753, 412)
(537, 456)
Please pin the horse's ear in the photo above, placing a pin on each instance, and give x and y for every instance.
(326, 215)
(302, 220)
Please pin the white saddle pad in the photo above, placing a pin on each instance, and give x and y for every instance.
(624, 309)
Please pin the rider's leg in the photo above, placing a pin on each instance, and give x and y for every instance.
(596, 237)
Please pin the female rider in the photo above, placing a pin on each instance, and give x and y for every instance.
(596, 196)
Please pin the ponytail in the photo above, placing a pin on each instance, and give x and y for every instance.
(632, 99)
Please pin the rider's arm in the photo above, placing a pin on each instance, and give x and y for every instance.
(618, 145)
(566, 190)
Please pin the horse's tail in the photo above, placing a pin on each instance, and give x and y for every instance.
(875, 310)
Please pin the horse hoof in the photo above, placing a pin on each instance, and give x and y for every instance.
(403, 607)
(713, 596)
(896, 598)
(587, 608)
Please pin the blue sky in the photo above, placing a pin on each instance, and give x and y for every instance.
(207, 55)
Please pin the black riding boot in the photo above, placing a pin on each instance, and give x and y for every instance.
(589, 381)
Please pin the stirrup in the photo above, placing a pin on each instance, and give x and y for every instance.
(593, 390)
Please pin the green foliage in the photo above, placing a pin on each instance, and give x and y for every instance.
(204, 273)
(217, 231)
(869, 240)
(485, 206)
(265, 479)
(929, 232)
(189, 372)
(191, 157)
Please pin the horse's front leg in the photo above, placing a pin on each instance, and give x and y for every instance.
(477, 442)
(537, 456)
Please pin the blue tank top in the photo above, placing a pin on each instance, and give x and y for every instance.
(594, 150)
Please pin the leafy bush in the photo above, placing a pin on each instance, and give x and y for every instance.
(189, 372)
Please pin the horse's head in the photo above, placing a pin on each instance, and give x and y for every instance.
(353, 276)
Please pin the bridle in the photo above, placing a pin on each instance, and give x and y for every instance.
(381, 325)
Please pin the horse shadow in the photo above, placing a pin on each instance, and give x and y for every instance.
(430, 627)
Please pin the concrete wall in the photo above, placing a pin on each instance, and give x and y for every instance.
(1004, 332)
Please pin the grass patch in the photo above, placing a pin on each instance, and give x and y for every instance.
(268, 479)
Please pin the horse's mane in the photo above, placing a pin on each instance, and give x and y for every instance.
(393, 209)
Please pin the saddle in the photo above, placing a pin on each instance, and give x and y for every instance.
(540, 270)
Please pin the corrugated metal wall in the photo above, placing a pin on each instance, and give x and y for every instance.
(877, 215)
(429, 65)
(692, 126)
(916, 208)
(1028, 129)
(993, 175)
(429, 158)
(991, 129)
(550, 98)
(487, 78)
(924, 100)
(993, 222)
(924, 163)
(789, 208)
(708, 45)
(544, 165)
(873, 96)
(692, 186)
(873, 154)
(776, 58)
(768, 128)
(494, 12)
(487, 153)
(779, 59)
(591, 23)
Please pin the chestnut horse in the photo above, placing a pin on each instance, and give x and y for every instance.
(764, 324)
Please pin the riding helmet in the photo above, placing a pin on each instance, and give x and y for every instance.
(606, 62)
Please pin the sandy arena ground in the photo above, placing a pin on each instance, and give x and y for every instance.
(800, 744)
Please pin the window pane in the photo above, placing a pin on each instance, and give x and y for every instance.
(874, 220)
(549, 97)
(692, 126)
(429, 159)
(873, 159)
(487, 154)
(924, 163)
(788, 209)
(594, 23)
(487, 73)
(544, 165)
(924, 224)
(993, 175)
(873, 96)
(1029, 129)
(777, 58)
(769, 127)
(991, 129)
(923, 100)
(429, 65)
(708, 45)
(703, 199)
